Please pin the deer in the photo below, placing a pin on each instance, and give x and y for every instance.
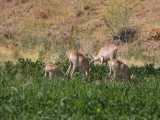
(51, 69)
(119, 70)
(77, 61)
(106, 53)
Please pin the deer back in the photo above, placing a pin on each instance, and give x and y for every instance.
(108, 51)
(75, 56)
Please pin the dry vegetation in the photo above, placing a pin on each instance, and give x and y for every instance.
(30, 29)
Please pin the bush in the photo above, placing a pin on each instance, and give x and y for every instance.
(126, 35)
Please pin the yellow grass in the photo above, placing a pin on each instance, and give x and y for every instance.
(46, 20)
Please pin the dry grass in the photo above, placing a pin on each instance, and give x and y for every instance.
(38, 30)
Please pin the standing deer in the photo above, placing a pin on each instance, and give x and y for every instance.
(77, 62)
(106, 53)
(51, 69)
(119, 70)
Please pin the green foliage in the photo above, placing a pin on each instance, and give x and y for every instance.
(98, 72)
(25, 94)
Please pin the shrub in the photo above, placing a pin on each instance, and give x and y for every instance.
(126, 34)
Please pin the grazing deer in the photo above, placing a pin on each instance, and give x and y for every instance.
(51, 69)
(77, 62)
(119, 70)
(106, 53)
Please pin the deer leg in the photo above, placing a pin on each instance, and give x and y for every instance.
(50, 74)
(114, 75)
(69, 69)
(101, 60)
(45, 74)
(85, 70)
(73, 70)
(110, 67)
(87, 73)
(107, 64)
(110, 70)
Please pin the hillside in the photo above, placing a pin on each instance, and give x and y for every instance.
(34, 28)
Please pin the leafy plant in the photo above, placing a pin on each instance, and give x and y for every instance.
(26, 94)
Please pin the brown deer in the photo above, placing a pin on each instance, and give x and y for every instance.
(106, 53)
(119, 70)
(51, 70)
(77, 62)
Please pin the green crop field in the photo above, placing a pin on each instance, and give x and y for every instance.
(25, 94)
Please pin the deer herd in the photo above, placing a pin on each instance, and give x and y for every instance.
(78, 62)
